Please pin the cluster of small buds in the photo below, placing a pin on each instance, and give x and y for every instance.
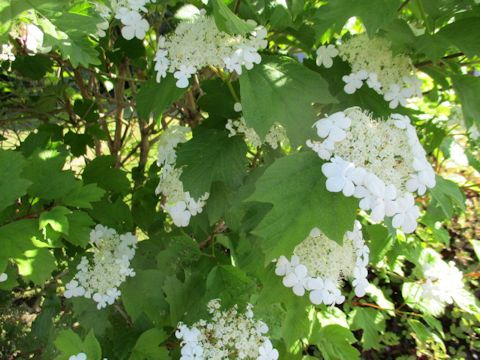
(229, 335)
(275, 136)
(442, 281)
(79, 356)
(3, 277)
(198, 43)
(380, 162)
(318, 265)
(7, 53)
(373, 62)
(179, 204)
(111, 266)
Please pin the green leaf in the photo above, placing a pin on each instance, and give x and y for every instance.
(227, 21)
(80, 228)
(423, 334)
(116, 215)
(185, 297)
(144, 294)
(280, 90)
(334, 343)
(33, 67)
(211, 156)
(56, 218)
(12, 185)
(295, 186)
(463, 34)
(147, 346)
(372, 322)
(476, 247)
(295, 325)
(69, 342)
(181, 252)
(380, 242)
(83, 195)
(373, 13)
(467, 88)
(44, 170)
(157, 97)
(36, 265)
(101, 171)
(448, 195)
(92, 346)
(229, 284)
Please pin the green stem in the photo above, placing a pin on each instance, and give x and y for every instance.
(232, 91)
(424, 16)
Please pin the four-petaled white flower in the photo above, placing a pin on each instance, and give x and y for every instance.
(179, 213)
(135, 26)
(297, 279)
(354, 81)
(397, 95)
(325, 55)
(342, 176)
(183, 74)
(407, 214)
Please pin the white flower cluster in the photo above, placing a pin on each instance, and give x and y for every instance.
(442, 281)
(7, 53)
(318, 264)
(380, 162)
(275, 136)
(229, 335)
(129, 12)
(32, 39)
(3, 277)
(373, 62)
(179, 204)
(79, 356)
(111, 266)
(198, 43)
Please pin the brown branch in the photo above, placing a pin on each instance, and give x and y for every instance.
(237, 6)
(430, 62)
(119, 94)
(405, 3)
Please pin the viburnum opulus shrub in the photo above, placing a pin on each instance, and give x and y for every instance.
(239, 179)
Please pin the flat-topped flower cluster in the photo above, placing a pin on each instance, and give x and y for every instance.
(100, 278)
(178, 203)
(380, 162)
(372, 61)
(319, 265)
(198, 43)
(228, 335)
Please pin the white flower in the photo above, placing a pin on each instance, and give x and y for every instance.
(373, 82)
(297, 279)
(318, 291)
(360, 282)
(325, 55)
(183, 74)
(415, 85)
(179, 213)
(474, 133)
(267, 352)
(237, 107)
(73, 289)
(407, 214)
(135, 26)
(342, 176)
(400, 121)
(3, 277)
(396, 95)
(354, 81)
(79, 356)
(333, 126)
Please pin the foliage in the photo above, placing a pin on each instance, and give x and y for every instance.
(81, 115)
